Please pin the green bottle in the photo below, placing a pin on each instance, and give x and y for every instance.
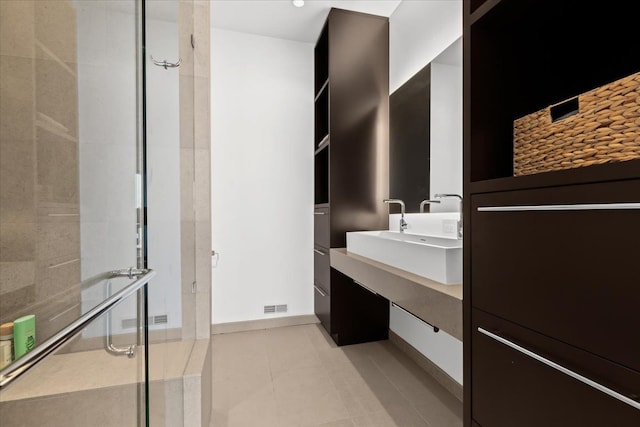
(24, 335)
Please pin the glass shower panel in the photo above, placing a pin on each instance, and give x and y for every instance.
(90, 387)
(71, 192)
(170, 209)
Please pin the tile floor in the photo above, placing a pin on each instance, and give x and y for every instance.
(297, 376)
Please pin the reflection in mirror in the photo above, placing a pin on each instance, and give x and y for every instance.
(409, 140)
(425, 147)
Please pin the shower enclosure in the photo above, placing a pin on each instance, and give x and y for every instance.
(97, 210)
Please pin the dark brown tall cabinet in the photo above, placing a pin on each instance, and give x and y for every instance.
(351, 146)
(552, 271)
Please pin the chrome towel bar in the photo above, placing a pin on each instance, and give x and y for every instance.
(39, 353)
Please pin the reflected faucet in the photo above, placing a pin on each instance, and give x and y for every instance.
(403, 223)
(426, 202)
(457, 196)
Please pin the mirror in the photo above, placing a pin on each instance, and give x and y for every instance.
(425, 133)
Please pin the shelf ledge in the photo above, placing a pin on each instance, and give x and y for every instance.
(483, 9)
(324, 86)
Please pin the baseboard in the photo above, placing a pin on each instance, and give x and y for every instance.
(427, 365)
(255, 325)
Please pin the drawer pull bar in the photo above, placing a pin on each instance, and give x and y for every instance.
(366, 287)
(577, 207)
(319, 213)
(320, 291)
(435, 328)
(319, 252)
(562, 369)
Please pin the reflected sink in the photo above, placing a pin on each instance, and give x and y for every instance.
(436, 258)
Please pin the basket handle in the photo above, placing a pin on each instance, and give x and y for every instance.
(564, 109)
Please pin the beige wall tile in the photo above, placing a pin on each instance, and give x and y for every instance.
(59, 276)
(16, 275)
(201, 28)
(188, 315)
(203, 185)
(16, 28)
(192, 389)
(187, 254)
(203, 256)
(13, 303)
(17, 242)
(202, 112)
(203, 315)
(185, 29)
(57, 169)
(186, 111)
(57, 95)
(187, 183)
(17, 92)
(58, 239)
(17, 181)
(55, 27)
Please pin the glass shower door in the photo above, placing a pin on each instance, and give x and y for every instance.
(72, 202)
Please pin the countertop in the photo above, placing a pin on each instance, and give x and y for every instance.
(437, 304)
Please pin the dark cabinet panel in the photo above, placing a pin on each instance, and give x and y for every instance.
(357, 314)
(567, 273)
(511, 388)
(321, 267)
(322, 305)
(321, 227)
(358, 122)
(351, 144)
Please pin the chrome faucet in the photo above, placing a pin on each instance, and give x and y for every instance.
(457, 196)
(426, 202)
(403, 223)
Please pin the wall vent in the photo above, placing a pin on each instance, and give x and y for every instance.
(160, 319)
(277, 308)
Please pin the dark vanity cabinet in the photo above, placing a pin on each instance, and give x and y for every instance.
(551, 271)
(351, 144)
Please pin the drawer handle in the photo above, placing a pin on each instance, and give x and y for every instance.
(320, 291)
(562, 369)
(577, 207)
(366, 287)
(319, 213)
(435, 328)
(319, 252)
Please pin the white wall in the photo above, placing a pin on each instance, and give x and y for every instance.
(108, 131)
(262, 175)
(419, 32)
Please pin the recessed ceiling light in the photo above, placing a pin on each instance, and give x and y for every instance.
(298, 3)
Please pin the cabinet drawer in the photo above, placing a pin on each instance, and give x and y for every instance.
(563, 261)
(322, 306)
(510, 388)
(321, 227)
(321, 267)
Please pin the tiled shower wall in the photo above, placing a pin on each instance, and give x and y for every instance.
(39, 200)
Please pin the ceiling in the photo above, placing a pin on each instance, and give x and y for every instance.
(280, 19)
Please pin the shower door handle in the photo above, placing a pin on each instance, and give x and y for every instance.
(129, 351)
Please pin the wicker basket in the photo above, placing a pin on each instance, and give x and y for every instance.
(599, 126)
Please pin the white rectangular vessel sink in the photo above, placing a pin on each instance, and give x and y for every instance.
(436, 258)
